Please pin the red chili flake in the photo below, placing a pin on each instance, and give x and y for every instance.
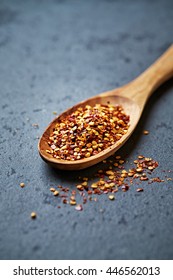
(115, 190)
(125, 188)
(106, 191)
(64, 201)
(143, 178)
(79, 207)
(87, 131)
(115, 178)
(63, 195)
(145, 132)
(97, 191)
(65, 189)
(90, 192)
(157, 179)
(82, 194)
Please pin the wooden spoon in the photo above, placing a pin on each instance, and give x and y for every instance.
(132, 97)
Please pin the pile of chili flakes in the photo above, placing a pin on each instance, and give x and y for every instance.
(87, 131)
(108, 181)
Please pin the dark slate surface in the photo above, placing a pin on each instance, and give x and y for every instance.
(53, 54)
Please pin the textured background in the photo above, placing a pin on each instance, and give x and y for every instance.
(54, 54)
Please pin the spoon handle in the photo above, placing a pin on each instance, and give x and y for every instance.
(144, 85)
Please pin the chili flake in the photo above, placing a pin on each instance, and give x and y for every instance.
(22, 185)
(88, 131)
(33, 215)
(108, 181)
(56, 193)
(111, 197)
(79, 207)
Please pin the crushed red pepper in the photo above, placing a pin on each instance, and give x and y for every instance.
(87, 131)
(110, 180)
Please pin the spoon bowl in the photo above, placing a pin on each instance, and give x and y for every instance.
(132, 97)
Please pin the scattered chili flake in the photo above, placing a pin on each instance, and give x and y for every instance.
(22, 185)
(90, 192)
(145, 132)
(56, 193)
(94, 186)
(140, 156)
(111, 197)
(33, 215)
(169, 179)
(140, 190)
(80, 187)
(143, 178)
(79, 207)
(73, 198)
(118, 157)
(109, 180)
(72, 202)
(151, 168)
(157, 179)
(125, 188)
(130, 174)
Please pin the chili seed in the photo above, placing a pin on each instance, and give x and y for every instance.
(118, 157)
(94, 186)
(111, 197)
(145, 132)
(139, 169)
(56, 193)
(22, 185)
(130, 174)
(84, 184)
(79, 187)
(140, 156)
(33, 215)
(150, 167)
(72, 202)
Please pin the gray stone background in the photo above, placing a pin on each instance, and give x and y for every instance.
(54, 54)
